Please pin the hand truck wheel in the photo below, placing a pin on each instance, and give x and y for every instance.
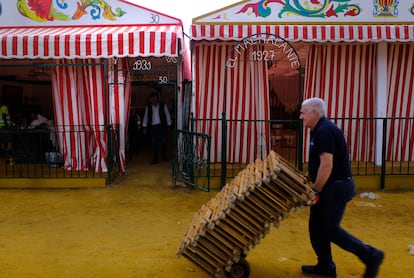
(241, 269)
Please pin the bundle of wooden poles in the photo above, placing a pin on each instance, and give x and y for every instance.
(231, 223)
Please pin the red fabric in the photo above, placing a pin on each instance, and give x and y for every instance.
(79, 94)
(90, 42)
(306, 33)
(344, 76)
(247, 98)
(119, 102)
(400, 102)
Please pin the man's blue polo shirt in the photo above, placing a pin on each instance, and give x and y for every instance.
(326, 137)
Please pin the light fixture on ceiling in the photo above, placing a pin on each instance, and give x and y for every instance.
(39, 72)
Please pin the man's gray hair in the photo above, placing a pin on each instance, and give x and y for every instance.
(316, 104)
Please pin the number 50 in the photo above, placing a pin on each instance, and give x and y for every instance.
(162, 79)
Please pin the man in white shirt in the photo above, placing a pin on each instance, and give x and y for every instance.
(157, 119)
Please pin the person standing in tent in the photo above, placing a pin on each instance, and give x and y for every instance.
(330, 172)
(157, 120)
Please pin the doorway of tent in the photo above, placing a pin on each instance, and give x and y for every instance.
(285, 95)
(138, 145)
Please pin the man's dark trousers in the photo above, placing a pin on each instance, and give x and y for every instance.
(324, 224)
(158, 138)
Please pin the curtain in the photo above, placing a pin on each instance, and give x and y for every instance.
(119, 101)
(92, 80)
(244, 90)
(77, 96)
(79, 105)
(400, 102)
(344, 76)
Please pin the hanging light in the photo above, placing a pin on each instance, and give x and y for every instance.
(40, 72)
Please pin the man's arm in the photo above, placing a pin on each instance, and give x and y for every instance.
(167, 115)
(324, 171)
(145, 119)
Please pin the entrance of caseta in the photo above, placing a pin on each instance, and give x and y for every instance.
(148, 75)
(285, 89)
(275, 67)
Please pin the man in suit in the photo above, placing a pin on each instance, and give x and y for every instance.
(157, 120)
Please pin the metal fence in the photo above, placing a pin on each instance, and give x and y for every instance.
(191, 159)
(37, 152)
(377, 146)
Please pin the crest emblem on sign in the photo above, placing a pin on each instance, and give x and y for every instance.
(386, 8)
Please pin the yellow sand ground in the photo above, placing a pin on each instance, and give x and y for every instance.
(134, 229)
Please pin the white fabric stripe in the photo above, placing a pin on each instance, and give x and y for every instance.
(196, 32)
(57, 37)
(215, 108)
(321, 81)
(146, 44)
(90, 30)
(70, 158)
(207, 97)
(400, 101)
(242, 86)
(97, 150)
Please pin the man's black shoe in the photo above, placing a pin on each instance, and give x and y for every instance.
(373, 264)
(316, 270)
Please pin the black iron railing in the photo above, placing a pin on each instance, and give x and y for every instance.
(377, 146)
(191, 159)
(61, 152)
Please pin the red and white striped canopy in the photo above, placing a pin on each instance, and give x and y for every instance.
(307, 33)
(90, 42)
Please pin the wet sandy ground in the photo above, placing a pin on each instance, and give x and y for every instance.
(135, 227)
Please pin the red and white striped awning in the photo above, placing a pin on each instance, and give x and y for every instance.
(90, 42)
(307, 33)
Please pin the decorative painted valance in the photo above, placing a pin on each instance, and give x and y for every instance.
(266, 12)
(85, 29)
